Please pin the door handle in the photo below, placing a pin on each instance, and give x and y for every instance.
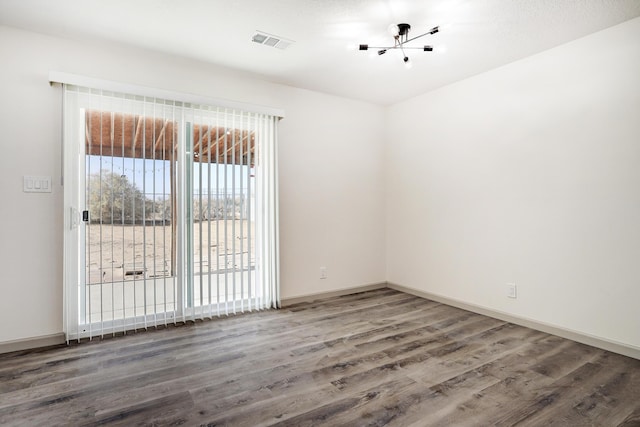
(74, 218)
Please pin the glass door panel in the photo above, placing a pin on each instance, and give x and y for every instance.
(223, 217)
(129, 247)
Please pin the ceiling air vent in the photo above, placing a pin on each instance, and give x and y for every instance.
(270, 40)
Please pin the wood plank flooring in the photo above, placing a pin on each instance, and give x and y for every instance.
(369, 359)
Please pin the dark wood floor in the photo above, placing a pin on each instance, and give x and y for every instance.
(374, 358)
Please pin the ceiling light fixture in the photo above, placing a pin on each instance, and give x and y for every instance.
(400, 34)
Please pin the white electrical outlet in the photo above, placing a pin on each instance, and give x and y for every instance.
(323, 272)
(512, 290)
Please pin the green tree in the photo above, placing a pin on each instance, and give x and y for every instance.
(114, 199)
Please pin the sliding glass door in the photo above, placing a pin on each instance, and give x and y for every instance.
(162, 217)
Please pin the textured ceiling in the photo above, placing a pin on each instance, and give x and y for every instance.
(476, 35)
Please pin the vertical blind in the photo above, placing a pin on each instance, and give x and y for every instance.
(171, 211)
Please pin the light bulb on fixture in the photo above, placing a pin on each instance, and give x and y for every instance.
(393, 30)
(407, 63)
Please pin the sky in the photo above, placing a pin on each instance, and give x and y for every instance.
(143, 173)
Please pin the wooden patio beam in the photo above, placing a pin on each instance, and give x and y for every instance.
(138, 134)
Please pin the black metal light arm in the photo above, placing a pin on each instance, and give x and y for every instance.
(425, 48)
(399, 43)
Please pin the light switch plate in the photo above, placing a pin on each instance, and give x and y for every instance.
(36, 184)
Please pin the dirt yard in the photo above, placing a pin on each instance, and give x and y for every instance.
(118, 253)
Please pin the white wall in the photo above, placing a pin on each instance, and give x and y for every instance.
(331, 179)
(529, 173)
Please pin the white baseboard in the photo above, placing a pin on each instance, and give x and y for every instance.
(599, 342)
(31, 343)
(320, 295)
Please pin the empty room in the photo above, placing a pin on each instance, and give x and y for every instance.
(308, 212)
